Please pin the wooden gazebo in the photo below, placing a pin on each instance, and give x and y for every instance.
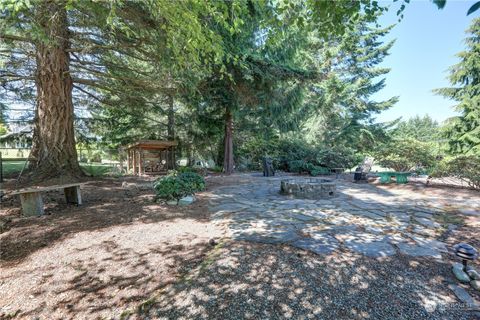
(151, 156)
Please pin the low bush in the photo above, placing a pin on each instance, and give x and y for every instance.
(317, 171)
(465, 168)
(406, 155)
(177, 185)
(297, 166)
(295, 155)
(199, 170)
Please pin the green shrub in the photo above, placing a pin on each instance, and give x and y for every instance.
(465, 168)
(96, 170)
(338, 157)
(406, 155)
(317, 171)
(297, 166)
(216, 169)
(177, 185)
(198, 170)
(194, 181)
(294, 155)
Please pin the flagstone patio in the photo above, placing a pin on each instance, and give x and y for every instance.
(368, 219)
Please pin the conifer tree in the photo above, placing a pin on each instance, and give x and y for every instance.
(463, 131)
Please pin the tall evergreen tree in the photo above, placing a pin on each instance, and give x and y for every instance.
(68, 47)
(341, 104)
(463, 131)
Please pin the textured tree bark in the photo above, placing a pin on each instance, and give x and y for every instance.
(171, 119)
(228, 140)
(53, 150)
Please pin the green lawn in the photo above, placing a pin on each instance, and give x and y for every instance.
(10, 167)
(94, 169)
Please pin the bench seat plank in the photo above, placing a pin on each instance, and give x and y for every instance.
(44, 189)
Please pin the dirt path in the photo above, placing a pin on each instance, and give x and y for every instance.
(100, 259)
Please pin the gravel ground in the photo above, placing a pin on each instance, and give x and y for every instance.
(259, 281)
(122, 256)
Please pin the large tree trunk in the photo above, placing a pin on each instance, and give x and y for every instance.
(53, 150)
(171, 119)
(228, 140)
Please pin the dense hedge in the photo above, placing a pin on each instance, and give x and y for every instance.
(295, 155)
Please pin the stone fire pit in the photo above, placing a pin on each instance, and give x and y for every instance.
(309, 188)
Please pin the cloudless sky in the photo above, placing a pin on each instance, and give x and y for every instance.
(427, 40)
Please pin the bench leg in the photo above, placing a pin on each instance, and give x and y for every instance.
(384, 179)
(401, 179)
(32, 204)
(73, 195)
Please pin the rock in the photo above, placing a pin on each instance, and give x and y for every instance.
(469, 212)
(318, 245)
(418, 251)
(459, 273)
(475, 284)
(473, 274)
(427, 222)
(172, 202)
(369, 245)
(432, 243)
(463, 296)
(212, 242)
(185, 201)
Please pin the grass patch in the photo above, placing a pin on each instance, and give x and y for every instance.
(449, 218)
(11, 167)
(94, 170)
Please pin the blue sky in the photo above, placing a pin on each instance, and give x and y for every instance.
(427, 40)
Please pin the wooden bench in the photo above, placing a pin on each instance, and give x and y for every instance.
(32, 202)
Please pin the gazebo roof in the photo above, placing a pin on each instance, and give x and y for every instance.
(152, 144)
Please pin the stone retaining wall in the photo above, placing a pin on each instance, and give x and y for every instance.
(309, 188)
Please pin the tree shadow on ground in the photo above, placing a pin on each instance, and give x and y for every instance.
(258, 281)
(103, 288)
(106, 204)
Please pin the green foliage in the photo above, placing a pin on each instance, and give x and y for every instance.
(316, 171)
(301, 166)
(3, 129)
(342, 105)
(194, 181)
(463, 132)
(297, 166)
(419, 128)
(465, 168)
(406, 155)
(96, 170)
(338, 157)
(216, 169)
(177, 185)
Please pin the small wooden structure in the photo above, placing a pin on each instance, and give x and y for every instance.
(151, 157)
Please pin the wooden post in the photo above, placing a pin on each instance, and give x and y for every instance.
(128, 160)
(167, 160)
(140, 162)
(32, 203)
(134, 158)
(73, 195)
